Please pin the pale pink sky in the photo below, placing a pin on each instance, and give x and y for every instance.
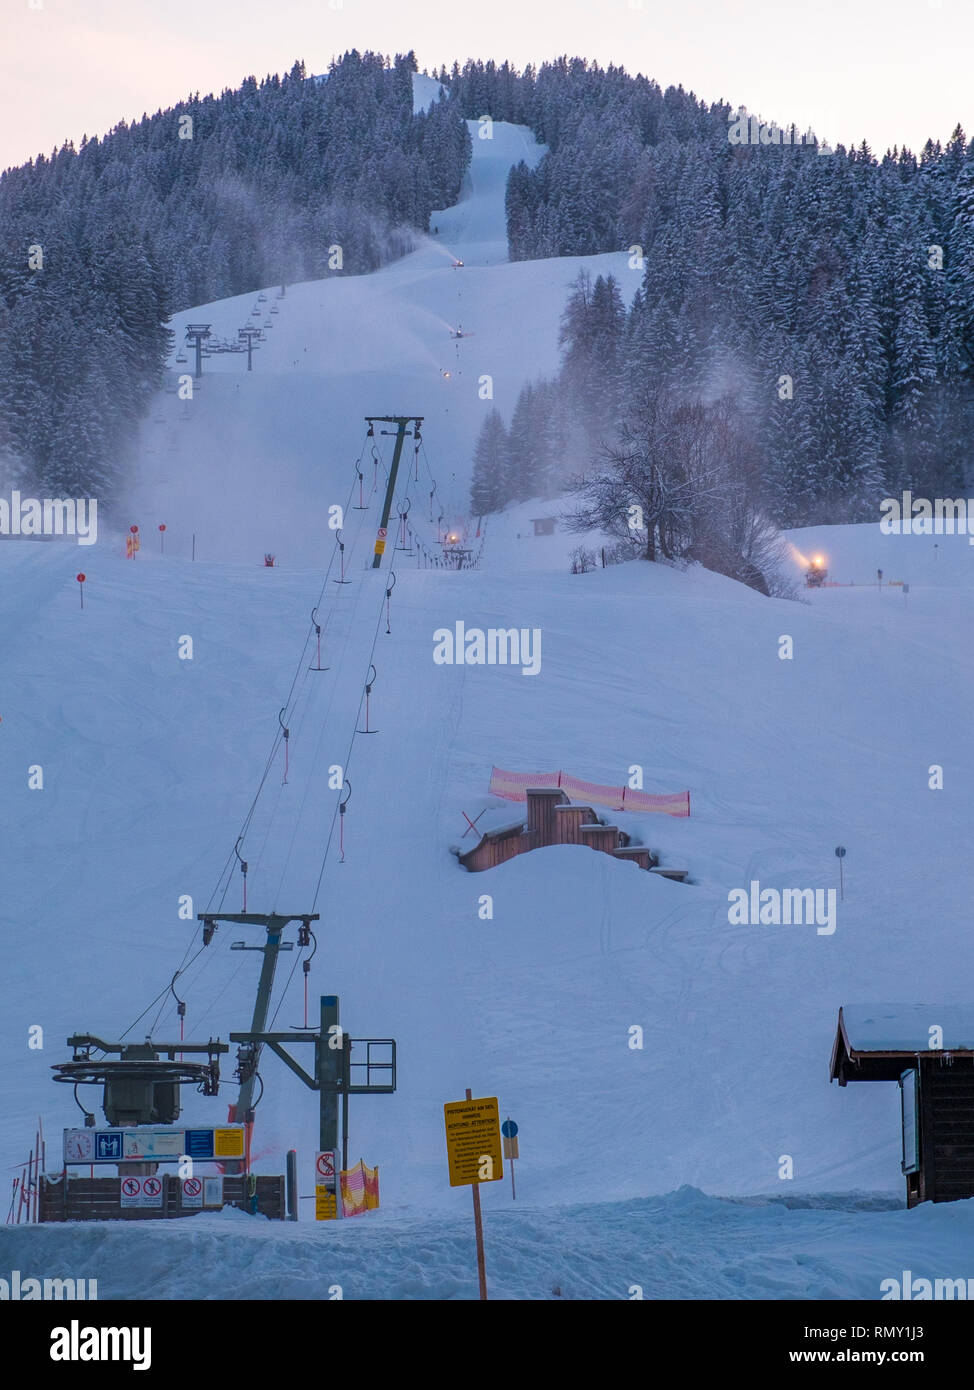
(889, 71)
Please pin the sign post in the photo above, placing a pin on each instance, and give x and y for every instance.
(326, 1186)
(191, 1193)
(474, 1154)
(509, 1135)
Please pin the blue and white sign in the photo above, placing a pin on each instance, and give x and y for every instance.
(153, 1143)
(108, 1146)
(199, 1143)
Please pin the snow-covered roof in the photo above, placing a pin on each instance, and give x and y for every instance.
(907, 1027)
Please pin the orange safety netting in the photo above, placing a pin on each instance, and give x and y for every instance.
(360, 1189)
(513, 787)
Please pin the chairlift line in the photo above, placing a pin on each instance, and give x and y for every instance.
(389, 589)
(287, 741)
(317, 627)
(341, 551)
(343, 801)
(283, 733)
(243, 870)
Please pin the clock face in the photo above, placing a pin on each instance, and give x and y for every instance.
(80, 1146)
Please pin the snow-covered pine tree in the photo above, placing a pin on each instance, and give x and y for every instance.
(490, 459)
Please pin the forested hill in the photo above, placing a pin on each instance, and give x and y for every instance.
(215, 197)
(831, 294)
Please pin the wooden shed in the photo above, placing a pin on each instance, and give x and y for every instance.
(929, 1051)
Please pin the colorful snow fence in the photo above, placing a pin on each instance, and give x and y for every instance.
(512, 786)
(360, 1189)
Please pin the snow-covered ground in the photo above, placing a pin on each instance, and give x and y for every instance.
(680, 1246)
(150, 763)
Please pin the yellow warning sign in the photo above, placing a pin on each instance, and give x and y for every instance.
(326, 1204)
(228, 1143)
(473, 1141)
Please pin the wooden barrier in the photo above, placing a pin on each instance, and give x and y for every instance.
(100, 1199)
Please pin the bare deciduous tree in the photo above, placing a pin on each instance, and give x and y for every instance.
(681, 483)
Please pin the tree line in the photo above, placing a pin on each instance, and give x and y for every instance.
(216, 196)
(826, 296)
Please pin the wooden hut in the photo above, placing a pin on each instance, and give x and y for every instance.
(553, 820)
(929, 1051)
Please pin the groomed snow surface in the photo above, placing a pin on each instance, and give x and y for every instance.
(680, 1246)
(150, 763)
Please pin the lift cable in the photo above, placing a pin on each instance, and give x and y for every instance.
(303, 716)
(279, 736)
(323, 726)
(227, 870)
(348, 754)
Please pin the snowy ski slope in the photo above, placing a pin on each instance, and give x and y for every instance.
(150, 763)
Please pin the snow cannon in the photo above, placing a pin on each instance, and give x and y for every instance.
(816, 574)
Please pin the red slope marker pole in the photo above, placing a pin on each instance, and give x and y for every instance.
(471, 824)
(81, 588)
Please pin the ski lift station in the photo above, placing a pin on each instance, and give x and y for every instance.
(929, 1051)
